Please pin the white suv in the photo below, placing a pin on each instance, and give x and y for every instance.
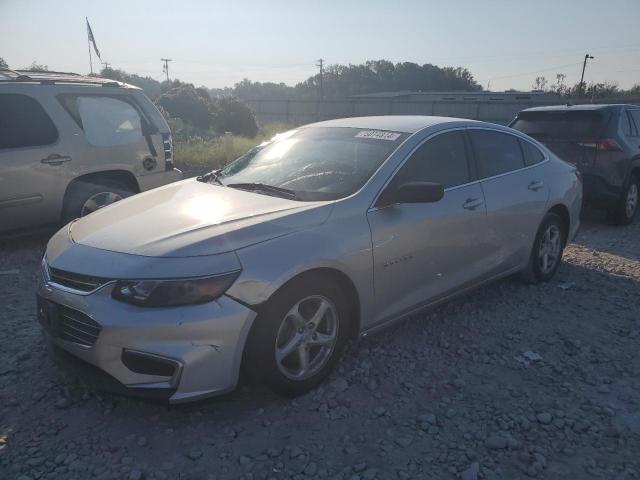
(70, 145)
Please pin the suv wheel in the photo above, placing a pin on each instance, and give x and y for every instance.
(298, 337)
(547, 251)
(625, 211)
(87, 197)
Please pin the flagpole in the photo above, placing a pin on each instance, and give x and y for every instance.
(89, 44)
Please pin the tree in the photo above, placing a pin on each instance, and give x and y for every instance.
(150, 86)
(229, 114)
(3, 64)
(186, 103)
(540, 83)
(383, 75)
(37, 67)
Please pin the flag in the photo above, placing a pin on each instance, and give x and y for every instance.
(92, 39)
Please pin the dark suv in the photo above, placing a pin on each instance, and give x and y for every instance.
(603, 141)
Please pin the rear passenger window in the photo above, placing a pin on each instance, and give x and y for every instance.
(532, 154)
(496, 152)
(24, 123)
(106, 121)
(443, 159)
(635, 119)
(625, 123)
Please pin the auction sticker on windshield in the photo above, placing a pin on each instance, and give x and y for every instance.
(378, 135)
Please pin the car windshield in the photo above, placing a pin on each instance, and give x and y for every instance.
(561, 125)
(315, 163)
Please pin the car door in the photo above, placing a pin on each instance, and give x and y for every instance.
(424, 251)
(33, 163)
(515, 192)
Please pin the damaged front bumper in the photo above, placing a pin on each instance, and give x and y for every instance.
(187, 352)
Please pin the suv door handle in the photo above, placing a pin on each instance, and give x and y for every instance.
(535, 185)
(55, 159)
(472, 203)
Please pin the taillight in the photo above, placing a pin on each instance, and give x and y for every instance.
(578, 175)
(604, 144)
(167, 145)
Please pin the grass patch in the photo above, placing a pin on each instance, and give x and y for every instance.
(200, 155)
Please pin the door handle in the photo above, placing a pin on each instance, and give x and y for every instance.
(535, 185)
(55, 159)
(472, 203)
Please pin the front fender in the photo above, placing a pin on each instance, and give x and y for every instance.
(345, 247)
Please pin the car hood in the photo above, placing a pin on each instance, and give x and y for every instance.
(192, 218)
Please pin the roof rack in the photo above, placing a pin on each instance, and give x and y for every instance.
(49, 78)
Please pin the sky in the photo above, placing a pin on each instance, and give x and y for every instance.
(504, 43)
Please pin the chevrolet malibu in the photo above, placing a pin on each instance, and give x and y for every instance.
(325, 233)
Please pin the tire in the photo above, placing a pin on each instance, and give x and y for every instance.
(625, 211)
(552, 229)
(275, 330)
(82, 192)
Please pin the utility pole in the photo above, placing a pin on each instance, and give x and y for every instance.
(321, 65)
(106, 64)
(584, 65)
(165, 68)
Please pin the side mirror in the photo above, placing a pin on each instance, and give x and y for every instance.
(414, 192)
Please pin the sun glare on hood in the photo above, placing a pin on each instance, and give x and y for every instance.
(206, 210)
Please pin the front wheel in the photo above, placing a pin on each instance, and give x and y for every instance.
(547, 250)
(298, 337)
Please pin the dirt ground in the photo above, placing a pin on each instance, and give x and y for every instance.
(508, 382)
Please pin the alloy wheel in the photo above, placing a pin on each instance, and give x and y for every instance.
(631, 202)
(307, 337)
(98, 201)
(550, 248)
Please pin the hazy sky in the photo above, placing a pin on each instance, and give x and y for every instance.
(217, 43)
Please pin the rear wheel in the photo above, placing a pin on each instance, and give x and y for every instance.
(547, 250)
(86, 197)
(298, 337)
(625, 211)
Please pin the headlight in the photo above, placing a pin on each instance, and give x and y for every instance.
(168, 293)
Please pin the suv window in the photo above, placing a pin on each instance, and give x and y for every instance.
(635, 119)
(24, 123)
(496, 152)
(106, 121)
(532, 154)
(562, 125)
(443, 159)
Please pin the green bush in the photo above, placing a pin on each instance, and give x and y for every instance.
(228, 114)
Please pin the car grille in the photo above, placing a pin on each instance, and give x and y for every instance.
(76, 281)
(75, 326)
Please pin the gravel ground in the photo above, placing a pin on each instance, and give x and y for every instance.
(511, 381)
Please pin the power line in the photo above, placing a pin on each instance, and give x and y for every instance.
(165, 68)
(534, 72)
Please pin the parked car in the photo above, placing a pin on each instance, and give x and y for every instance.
(603, 141)
(70, 145)
(332, 230)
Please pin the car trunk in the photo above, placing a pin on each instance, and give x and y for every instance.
(571, 134)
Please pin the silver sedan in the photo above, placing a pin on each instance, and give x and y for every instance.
(327, 232)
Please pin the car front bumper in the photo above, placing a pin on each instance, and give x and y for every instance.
(187, 352)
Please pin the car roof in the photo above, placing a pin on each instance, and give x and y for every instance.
(396, 123)
(12, 77)
(581, 107)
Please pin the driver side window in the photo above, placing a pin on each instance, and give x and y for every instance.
(443, 160)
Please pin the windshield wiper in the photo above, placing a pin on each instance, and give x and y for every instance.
(212, 175)
(269, 189)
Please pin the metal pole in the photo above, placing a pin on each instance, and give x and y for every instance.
(584, 66)
(90, 60)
